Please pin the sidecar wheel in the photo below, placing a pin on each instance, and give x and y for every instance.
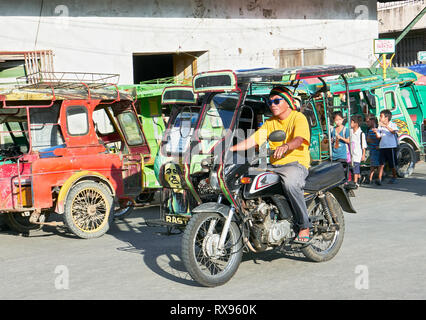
(146, 197)
(205, 264)
(19, 223)
(89, 210)
(406, 160)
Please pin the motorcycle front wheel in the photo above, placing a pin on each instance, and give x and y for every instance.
(206, 264)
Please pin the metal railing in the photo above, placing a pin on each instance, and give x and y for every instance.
(155, 87)
(67, 80)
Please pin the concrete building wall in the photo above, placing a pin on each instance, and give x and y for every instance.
(395, 19)
(102, 36)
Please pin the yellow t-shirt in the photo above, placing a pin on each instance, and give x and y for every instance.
(295, 125)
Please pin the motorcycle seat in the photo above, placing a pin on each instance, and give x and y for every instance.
(324, 175)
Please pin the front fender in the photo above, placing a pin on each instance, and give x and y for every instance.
(220, 208)
(81, 175)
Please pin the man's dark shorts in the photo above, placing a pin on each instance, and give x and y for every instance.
(388, 155)
(374, 157)
(357, 168)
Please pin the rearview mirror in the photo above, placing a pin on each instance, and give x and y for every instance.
(277, 136)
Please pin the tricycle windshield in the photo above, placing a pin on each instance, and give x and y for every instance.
(133, 133)
(217, 118)
(219, 114)
(177, 137)
(217, 121)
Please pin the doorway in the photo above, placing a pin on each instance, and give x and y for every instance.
(149, 66)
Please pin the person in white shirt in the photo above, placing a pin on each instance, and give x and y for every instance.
(359, 145)
(387, 132)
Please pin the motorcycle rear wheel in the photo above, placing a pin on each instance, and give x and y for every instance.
(202, 260)
(324, 246)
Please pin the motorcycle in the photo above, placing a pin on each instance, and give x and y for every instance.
(247, 208)
(260, 217)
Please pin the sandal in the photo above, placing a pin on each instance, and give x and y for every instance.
(299, 240)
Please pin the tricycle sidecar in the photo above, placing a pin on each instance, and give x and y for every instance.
(69, 147)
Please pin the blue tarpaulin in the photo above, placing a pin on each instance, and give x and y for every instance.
(419, 68)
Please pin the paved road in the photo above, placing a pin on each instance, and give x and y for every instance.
(382, 257)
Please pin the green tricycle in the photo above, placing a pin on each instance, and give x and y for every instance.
(369, 94)
(153, 117)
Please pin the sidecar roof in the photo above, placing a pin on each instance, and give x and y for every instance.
(16, 94)
(43, 86)
(229, 80)
(291, 74)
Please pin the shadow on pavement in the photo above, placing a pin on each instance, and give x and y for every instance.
(159, 249)
(41, 232)
(271, 255)
(414, 184)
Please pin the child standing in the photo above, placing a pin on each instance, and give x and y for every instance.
(339, 141)
(373, 146)
(359, 146)
(339, 138)
(387, 133)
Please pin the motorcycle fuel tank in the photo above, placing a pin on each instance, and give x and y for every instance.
(264, 184)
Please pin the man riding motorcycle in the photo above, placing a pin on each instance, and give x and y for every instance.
(291, 158)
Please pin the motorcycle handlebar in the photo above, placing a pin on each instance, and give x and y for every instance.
(269, 152)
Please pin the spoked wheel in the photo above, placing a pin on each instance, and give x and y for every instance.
(88, 210)
(405, 160)
(327, 239)
(206, 264)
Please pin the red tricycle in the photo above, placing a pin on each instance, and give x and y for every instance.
(70, 145)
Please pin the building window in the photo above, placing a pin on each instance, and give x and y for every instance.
(300, 57)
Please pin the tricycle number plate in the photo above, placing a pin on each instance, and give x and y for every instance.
(171, 218)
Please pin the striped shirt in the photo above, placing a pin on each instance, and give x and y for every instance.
(372, 140)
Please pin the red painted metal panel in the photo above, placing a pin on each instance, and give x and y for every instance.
(9, 183)
(51, 172)
(82, 140)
